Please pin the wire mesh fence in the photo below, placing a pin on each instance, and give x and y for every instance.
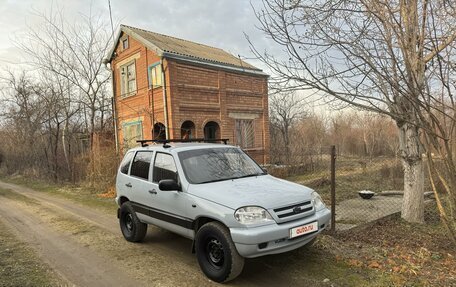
(367, 189)
(357, 189)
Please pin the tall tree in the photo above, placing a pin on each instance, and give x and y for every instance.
(73, 54)
(372, 54)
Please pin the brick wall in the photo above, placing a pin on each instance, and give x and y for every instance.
(146, 104)
(202, 95)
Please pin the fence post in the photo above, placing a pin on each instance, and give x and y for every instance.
(333, 189)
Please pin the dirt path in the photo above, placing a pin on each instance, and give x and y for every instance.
(163, 259)
(75, 263)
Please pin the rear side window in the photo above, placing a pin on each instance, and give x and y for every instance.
(164, 167)
(141, 164)
(125, 164)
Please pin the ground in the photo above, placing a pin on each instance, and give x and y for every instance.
(74, 237)
(20, 264)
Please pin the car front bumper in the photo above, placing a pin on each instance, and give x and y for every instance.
(275, 238)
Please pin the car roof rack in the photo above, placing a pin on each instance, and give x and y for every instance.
(165, 142)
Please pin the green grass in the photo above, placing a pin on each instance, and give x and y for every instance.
(20, 265)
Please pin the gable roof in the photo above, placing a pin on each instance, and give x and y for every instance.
(184, 50)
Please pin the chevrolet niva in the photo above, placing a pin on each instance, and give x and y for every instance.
(218, 197)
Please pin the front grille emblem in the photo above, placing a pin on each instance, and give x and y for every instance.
(297, 209)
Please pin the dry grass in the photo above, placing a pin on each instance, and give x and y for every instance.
(20, 265)
(352, 175)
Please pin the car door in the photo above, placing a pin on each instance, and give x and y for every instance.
(170, 208)
(139, 182)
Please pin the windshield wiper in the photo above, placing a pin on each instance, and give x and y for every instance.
(214, 180)
(231, 178)
(249, 175)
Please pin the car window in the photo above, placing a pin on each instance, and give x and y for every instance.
(217, 164)
(125, 164)
(141, 164)
(164, 167)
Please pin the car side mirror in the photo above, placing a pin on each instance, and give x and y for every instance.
(265, 170)
(169, 184)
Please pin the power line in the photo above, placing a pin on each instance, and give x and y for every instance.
(112, 25)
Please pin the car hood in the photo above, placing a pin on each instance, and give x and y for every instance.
(265, 191)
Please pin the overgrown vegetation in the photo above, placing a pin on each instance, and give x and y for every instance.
(55, 113)
(305, 140)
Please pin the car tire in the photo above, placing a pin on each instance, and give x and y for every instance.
(217, 254)
(132, 229)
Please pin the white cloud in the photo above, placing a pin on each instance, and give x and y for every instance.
(219, 23)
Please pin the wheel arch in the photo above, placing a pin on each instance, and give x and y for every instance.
(198, 223)
(122, 200)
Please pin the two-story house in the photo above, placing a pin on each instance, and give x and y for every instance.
(165, 87)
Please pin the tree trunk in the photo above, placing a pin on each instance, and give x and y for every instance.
(64, 145)
(410, 148)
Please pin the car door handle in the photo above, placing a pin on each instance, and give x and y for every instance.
(128, 185)
(153, 191)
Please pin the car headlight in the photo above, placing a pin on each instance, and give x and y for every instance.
(317, 201)
(252, 215)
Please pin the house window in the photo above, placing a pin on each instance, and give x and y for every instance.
(155, 75)
(131, 133)
(128, 79)
(159, 132)
(125, 43)
(211, 131)
(245, 134)
(187, 130)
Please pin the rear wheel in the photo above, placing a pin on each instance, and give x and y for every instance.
(217, 254)
(132, 229)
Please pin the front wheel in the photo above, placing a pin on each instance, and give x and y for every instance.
(217, 254)
(132, 229)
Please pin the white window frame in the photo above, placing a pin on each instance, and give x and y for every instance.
(244, 130)
(128, 79)
(131, 141)
(155, 75)
(123, 41)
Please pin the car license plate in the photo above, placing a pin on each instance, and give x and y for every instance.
(303, 229)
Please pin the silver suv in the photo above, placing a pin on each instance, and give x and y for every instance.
(218, 197)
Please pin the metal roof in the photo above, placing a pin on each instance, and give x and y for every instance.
(184, 50)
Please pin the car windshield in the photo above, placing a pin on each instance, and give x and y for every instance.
(217, 164)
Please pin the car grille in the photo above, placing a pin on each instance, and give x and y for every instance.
(295, 211)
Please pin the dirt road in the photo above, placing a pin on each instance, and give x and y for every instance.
(86, 248)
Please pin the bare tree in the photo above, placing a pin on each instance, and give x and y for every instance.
(440, 136)
(74, 53)
(286, 108)
(372, 54)
(26, 117)
(71, 54)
